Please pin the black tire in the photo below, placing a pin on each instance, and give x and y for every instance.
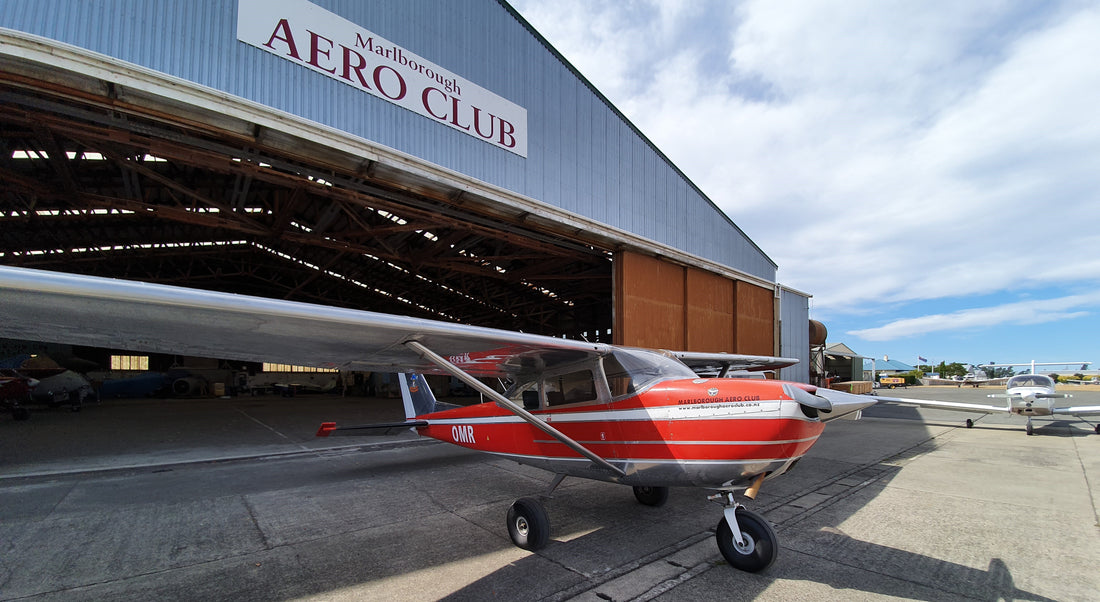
(528, 524)
(761, 544)
(1029, 429)
(969, 423)
(651, 496)
(1096, 429)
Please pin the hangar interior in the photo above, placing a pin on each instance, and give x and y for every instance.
(104, 181)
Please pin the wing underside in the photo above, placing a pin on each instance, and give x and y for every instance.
(1078, 411)
(120, 314)
(718, 363)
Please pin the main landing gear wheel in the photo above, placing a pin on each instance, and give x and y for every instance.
(1096, 429)
(760, 544)
(969, 423)
(528, 524)
(651, 496)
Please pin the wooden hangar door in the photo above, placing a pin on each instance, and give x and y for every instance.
(662, 305)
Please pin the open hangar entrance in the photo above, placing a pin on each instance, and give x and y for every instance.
(132, 174)
(104, 179)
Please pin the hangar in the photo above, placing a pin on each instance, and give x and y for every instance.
(438, 160)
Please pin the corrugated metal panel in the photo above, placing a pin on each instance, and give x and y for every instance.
(754, 318)
(794, 309)
(708, 312)
(649, 300)
(582, 156)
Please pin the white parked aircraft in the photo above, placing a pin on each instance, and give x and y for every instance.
(974, 378)
(1026, 394)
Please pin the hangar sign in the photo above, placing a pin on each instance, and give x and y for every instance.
(306, 34)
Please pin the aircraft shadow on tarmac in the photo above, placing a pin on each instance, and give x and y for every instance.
(948, 578)
(813, 550)
(912, 576)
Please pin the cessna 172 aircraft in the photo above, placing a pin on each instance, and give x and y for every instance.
(1025, 394)
(632, 416)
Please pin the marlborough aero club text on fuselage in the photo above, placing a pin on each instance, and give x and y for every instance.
(312, 37)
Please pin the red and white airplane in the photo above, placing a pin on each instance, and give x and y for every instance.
(632, 416)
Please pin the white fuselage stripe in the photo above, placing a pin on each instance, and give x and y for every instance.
(650, 414)
(667, 442)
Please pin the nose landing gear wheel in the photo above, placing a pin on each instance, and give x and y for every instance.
(528, 524)
(651, 496)
(760, 548)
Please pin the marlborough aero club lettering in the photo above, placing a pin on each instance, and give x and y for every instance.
(306, 34)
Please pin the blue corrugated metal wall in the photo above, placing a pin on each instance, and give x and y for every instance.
(582, 156)
(794, 311)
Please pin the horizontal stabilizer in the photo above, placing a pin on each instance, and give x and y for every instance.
(376, 430)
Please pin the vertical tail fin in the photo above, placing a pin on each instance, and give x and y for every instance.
(416, 395)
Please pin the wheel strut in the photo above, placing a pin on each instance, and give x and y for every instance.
(729, 509)
(745, 538)
(553, 485)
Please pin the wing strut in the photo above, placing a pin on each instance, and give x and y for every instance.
(533, 420)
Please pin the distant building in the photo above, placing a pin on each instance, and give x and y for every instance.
(884, 368)
(842, 364)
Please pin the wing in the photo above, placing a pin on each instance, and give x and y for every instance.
(948, 405)
(1078, 411)
(120, 314)
(719, 363)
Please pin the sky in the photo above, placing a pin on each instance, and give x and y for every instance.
(928, 171)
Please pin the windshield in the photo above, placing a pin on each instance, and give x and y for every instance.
(629, 371)
(1030, 380)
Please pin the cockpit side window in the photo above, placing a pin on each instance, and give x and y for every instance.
(522, 390)
(571, 387)
(626, 372)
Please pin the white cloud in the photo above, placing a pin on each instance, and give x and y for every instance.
(879, 152)
(1023, 312)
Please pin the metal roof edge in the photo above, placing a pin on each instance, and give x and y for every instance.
(584, 80)
(60, 55)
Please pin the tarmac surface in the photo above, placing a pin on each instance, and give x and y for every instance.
(235, 499)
